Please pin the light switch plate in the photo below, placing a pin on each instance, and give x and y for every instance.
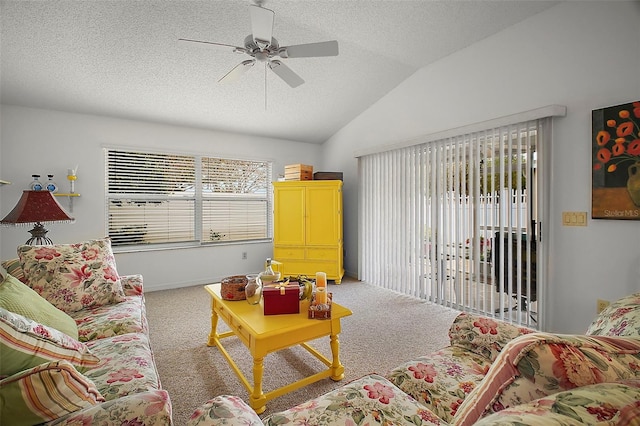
(574, 218)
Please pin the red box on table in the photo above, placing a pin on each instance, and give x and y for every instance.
(281, 299)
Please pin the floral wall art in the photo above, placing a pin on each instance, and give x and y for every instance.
(616, 162)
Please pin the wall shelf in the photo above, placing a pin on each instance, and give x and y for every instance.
(75, 194)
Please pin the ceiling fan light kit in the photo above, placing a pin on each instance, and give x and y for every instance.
(262, 47)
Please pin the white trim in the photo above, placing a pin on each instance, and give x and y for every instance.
(534, 114)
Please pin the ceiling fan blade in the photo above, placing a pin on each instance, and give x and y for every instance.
(261, 24)
(286, 74)
(203, 43)
(311, 50)
(237, 71)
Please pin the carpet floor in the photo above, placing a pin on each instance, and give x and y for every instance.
(385, 330)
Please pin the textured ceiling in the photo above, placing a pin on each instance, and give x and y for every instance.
(121, 58)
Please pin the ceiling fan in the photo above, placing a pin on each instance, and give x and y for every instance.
(262, 47)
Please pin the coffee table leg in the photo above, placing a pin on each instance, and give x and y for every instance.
(257, 400)
(213, 335)
(337, 369)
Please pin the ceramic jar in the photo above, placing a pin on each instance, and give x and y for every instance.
(633, 183)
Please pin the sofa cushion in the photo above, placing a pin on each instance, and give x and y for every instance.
(25, 344)
(111, 320)
(44, 393)
(442, 380)
(604, 403)
(13, 268)
(16, 297)
(369, 400)
(73, 276)
(126, 366)
(621, 318)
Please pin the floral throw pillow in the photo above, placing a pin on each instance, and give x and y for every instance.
(73, 276)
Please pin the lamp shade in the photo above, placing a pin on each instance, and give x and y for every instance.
(35, 207)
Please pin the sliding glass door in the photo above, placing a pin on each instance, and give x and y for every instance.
(456, 221)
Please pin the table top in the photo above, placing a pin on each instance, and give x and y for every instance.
(253, 318)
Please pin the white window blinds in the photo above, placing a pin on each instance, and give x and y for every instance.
(235, 204)
(455, 220)
(155, 198)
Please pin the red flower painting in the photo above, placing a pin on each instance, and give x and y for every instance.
(619, 141)
(616, 162)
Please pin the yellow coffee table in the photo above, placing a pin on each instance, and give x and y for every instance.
(264, 334)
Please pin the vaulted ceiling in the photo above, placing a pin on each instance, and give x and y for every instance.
(121, 58)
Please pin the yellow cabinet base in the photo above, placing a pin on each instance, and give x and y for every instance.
(302, 267)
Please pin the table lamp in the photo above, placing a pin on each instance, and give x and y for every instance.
(36, 207)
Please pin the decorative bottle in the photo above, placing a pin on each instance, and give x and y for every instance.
(36, 185)
(51, 185)
(268, 276)
(268, 270)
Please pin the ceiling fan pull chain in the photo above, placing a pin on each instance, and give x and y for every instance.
(265, 86)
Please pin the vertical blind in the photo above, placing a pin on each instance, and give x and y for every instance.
(156, 198)
(454, 220)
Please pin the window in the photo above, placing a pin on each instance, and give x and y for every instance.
(155, 198)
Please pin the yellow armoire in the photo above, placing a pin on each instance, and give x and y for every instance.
(307, 221)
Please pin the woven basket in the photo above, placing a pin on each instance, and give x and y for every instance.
(233, 287)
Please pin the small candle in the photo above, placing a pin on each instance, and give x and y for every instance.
(321, 295)
(321, 288)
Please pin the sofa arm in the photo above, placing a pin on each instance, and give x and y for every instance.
(224, 410)
(132, 285)
(539, 364)
(145, 408)
(483, 335)
(620, 318)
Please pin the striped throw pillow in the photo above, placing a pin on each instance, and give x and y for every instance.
(14, 268)
(44, 393)
(25, 343)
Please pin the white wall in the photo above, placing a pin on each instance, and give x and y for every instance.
(583, 55)
(35, 141)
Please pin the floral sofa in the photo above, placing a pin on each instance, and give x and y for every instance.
(493, 373)
(74, 341)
